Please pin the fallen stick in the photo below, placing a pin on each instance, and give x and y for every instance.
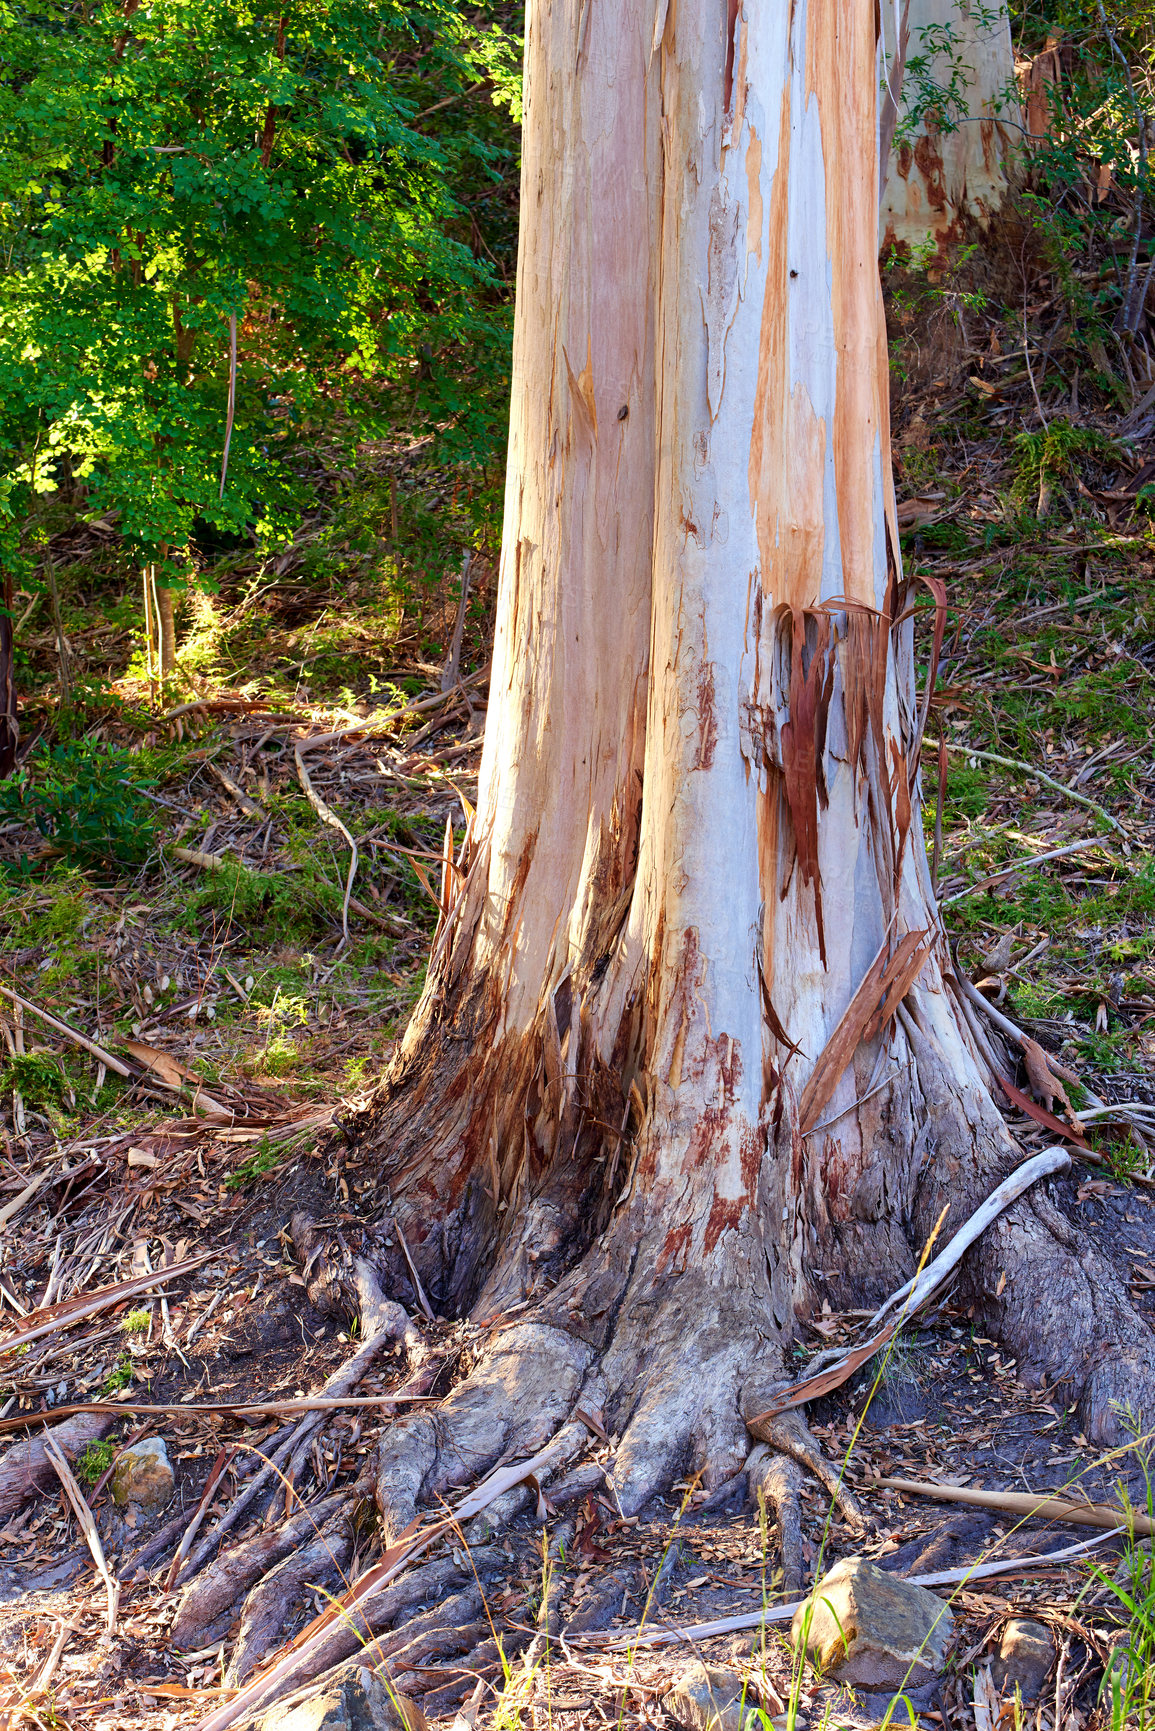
(13, 1208)
(1037, 775)
(76, 1309)
(327, 815)
(913, 1294)
(919, 1288)
(247, 805)
(1026, 1503)
(200, 1101)
(78, 1039)
(785, 1613)
(254, 1409)
(1024, 864)
(88, 1527)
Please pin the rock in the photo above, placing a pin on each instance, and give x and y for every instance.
(712, 1698)
(887, 1632)
(1026, 1654)
(143, 1475)
(352, 1698)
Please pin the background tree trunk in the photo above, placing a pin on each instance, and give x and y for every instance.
(957, 117)
(688, 1055)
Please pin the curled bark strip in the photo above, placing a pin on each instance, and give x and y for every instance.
(1109, 1516)
(1039, 1113)
(887, 981)
(327, 815)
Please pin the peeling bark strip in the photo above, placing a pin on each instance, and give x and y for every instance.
(887, 982)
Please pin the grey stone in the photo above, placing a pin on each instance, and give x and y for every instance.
(1026, 1654)
(712, 1698)
(143, 1475)
(870, 1630)
(352, 1698)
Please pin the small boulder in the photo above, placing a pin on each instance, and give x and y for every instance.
(352, 1698)
(1026, 1654)
(712, 1698)
(873, 1631)
(143, 1475)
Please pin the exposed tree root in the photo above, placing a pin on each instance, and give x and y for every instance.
(779, 1478)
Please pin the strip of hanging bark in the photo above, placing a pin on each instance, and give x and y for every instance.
(88, 1527)
(55, 1316)
(642, 1637)
(330, 817)
(914, 1293)
(1026, 1503)
(803, 739)
(888, 979)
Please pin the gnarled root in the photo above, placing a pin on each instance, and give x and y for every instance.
(779, 1478)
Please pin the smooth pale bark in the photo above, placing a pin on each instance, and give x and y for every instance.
(688, 1056)
(944, 179)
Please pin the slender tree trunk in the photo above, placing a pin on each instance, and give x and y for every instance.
(949, 70)
(166, 632)
(9, 726)
(689, 1056)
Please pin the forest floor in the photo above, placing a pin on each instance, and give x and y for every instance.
(226, 968)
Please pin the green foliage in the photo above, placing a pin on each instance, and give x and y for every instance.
(937, 78)
(37, 1079)
(172, 173)
(119, 1377)
(265, 1159)
(1051, 454)
(136, 1322)
(88, 801)
(95, 1461)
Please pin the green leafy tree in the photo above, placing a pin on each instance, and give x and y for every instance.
(223, 226)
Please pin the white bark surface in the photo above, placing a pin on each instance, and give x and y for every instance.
(940, 178)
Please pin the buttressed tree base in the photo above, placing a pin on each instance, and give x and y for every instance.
(690, 1054)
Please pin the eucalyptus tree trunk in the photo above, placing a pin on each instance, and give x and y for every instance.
(950, 119)
(690, 1057)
